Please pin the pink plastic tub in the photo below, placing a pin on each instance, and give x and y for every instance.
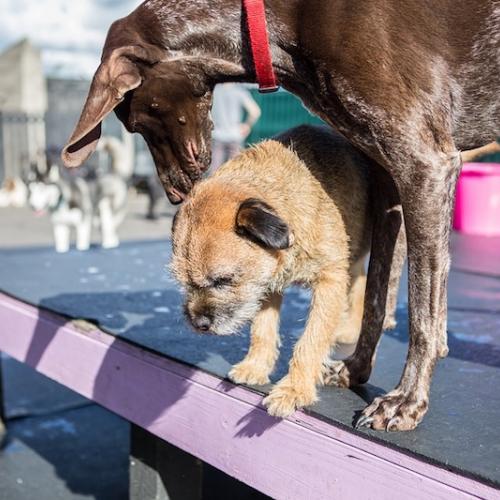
(477, 206)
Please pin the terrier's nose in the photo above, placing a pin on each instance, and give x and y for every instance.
(202, 322)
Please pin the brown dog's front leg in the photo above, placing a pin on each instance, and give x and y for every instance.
(298, 387)
(386, 260)
(427, 205)
(259, 362)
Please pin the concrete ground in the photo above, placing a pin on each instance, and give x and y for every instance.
(20, 227)
(60, 446)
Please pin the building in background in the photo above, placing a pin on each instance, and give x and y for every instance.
(37, 115)
(66, 98)
(65, 102)
(23, 104)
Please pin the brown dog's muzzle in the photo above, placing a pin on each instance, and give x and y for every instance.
(180, 165)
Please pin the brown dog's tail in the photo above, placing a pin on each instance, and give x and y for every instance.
(474, 154)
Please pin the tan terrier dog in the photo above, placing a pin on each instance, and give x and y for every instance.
(291, 210)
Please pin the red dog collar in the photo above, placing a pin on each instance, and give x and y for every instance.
(259, 41)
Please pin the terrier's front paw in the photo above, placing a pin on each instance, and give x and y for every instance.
(286, 397)
(249, 372)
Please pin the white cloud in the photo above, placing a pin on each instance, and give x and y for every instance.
(70, 33)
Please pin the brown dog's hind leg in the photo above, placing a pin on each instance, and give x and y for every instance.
(259, 362)
(427, 206)
(386, 258)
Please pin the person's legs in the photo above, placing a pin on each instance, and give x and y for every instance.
(232, 149)
(218, 156)
(222, 152)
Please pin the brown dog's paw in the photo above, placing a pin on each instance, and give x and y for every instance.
(345, 373)
(287, 397)
(395, 411)
(249, 372)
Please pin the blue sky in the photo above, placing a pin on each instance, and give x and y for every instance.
(70, 33)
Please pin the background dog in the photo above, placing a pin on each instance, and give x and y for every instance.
(248, 232)
(77, 202)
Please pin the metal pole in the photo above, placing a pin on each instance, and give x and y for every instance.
(160, 471)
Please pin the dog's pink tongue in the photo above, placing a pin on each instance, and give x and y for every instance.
(39, 213)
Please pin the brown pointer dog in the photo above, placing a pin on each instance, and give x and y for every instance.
(409, 83)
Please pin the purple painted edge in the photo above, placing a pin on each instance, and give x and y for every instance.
(109, 370)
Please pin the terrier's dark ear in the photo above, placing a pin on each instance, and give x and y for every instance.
(257, 221)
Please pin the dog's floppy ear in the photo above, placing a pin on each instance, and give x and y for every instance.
(259, 222)
(117, 74)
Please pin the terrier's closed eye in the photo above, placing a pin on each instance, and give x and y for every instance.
(222, 281)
